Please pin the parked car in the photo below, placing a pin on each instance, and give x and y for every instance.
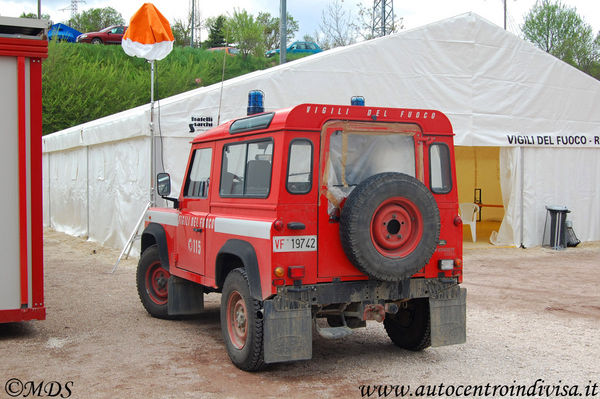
(298, 48)
(63, 33)
(111, 35)
(228, 50)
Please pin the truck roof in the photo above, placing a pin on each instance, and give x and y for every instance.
(311, 117)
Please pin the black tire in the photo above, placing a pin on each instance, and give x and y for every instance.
(410, 328)
(241, 325)
(390, 226)
(334, 321)
(96, 40)
(152, 279)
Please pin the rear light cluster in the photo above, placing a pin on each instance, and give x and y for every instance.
(293, 272)
(449, 264)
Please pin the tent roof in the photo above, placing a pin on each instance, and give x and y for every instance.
(490, 83)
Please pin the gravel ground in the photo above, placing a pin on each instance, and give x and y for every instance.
(532, 314)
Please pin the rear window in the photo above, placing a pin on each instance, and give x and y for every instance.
(356, 156)
(299, 176)
(439, 167)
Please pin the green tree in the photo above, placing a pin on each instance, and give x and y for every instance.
(216, 32)
(271, 29)
(181, 32)
(95, 19)
(246, 32)
(33, 15)
(560, 31)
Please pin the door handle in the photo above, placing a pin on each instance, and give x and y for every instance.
(296, 226)
(197, 229)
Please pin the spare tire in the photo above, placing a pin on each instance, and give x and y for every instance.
(390, 226)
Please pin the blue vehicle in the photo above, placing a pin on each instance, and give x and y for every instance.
(297, 48)
(63, 33)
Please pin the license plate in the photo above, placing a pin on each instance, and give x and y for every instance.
(295, 244)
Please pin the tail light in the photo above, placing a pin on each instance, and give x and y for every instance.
(296, 272)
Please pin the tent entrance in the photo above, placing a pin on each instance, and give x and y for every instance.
(478, 175)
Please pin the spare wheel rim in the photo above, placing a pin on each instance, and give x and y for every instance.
(396, 227)
(237, 320)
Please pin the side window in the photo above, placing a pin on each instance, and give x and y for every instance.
(246, 169)
(196, 184)
(439, 168)
(299, 172)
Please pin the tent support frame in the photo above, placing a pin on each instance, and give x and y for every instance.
(134, 234)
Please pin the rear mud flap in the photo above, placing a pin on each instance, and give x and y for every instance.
(185, 298)
(449, 318)
(287, 334)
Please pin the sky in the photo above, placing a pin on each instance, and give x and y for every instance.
(415, 13)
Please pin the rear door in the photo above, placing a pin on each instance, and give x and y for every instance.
(191, 229)
(296, 244)
(352, 154)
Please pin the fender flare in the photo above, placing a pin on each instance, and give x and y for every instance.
(154, 233)
(246, 253)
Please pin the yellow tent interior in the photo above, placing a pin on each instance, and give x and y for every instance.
(478, 168)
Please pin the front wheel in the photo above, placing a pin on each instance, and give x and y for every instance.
(241, 322)
(410, 328)
(152, 281)
(96, 40)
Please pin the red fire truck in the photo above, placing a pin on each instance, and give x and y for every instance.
(317, 217)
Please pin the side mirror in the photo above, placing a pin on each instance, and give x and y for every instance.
(163, 184)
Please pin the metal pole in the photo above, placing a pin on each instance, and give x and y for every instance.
(383, 21)
(193, 16)
(522, 210)
(152, 143)
(504, 14)
(282, 31)
(39, 9)
(87, 190)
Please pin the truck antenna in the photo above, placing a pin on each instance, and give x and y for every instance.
(222, 79)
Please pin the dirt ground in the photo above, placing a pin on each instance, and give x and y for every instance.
(532, 314)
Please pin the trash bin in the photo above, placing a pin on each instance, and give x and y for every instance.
(555, 227)
(572, 240)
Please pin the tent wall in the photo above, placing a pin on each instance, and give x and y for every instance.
(535, 177)
(99, 191)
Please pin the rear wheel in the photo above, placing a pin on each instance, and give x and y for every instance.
(152, 281)
(241, 322)
(410, 328)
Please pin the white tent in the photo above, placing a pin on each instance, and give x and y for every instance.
(497, 90)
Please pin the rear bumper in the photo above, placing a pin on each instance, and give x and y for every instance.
(14, 315)
(288, 316)
(365, 291)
